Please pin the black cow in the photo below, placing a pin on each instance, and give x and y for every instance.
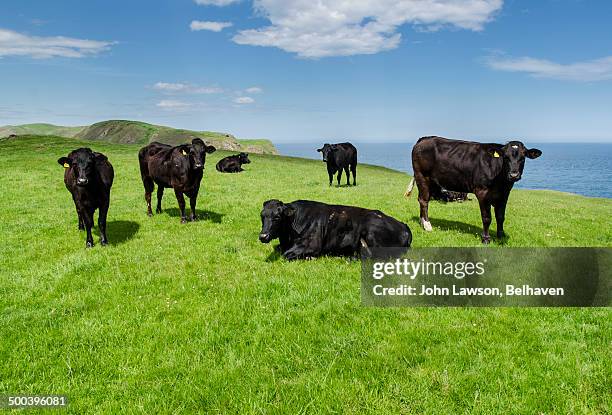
(487, 170)
(89, 177)
(179, 167)
(340, 157)
(446, 196)
(233, 164)
(310, 229)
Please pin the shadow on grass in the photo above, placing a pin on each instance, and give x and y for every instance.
(202, 214)
(275, 255)
(450, 224)
(462, 227)
(118, 231)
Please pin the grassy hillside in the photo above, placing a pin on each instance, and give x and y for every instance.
(137, 132)
(40, 129)
(204, 318)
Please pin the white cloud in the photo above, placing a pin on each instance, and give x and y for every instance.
(169, 104)
(244, 100)
(197, 25)
(315, 29)
(219, 3)
(16, 44)
(254, 90)
(586, 71)
(181, 88)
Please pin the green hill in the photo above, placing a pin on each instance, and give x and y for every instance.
(203, 318)
(137, 132)
(40, 129)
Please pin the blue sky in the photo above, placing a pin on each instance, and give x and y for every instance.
(300, 70)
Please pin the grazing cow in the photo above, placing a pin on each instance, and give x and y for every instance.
(340, 157)
(179, 167)
(233, 164)
(487, 170)
(88, 177)
(309, 229)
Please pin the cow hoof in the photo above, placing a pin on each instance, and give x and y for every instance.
(81, 228)
(157, 211)
(426, 225)
(103, 243)
(89, 244)
(486, 241)
(183, 221)
(149, 214)
(194, 218)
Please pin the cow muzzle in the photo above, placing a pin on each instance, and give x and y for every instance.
(514, 176)
(264, 237)
(82, 181)
(198, 166)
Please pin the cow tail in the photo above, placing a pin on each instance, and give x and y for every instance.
(409, 189)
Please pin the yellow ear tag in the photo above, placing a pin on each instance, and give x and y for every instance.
(66, 165)
(184, 153)
(496, 154)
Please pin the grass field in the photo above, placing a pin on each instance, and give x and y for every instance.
(202, 317)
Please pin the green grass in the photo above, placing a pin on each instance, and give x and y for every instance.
(203, 318)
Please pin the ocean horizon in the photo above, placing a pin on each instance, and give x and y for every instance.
(581, 168)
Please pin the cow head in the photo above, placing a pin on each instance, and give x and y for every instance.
(327, 151)
(513, 156)
(273, 215)
(244, 158)
(83, 163)
(197, 153)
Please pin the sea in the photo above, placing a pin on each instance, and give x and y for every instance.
(581, 168)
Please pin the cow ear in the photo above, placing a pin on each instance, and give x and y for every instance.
(533, 153)
(319, 149)
(100, 157)
(210, 149)
(62, 161)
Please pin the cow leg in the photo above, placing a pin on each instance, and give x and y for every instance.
(348, 178)
(148, 185)
(339, 176)
(424, 196)
(79, 218)
(181, 202)
(485, 213)
(500, 216)
(160, 194)
(102, 213)
(192, 204)
(354, 171)
(87, 216)
(331, 178)
(298, 251)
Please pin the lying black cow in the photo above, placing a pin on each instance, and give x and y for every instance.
(233, 164)
(340, 157)
(310, 229)
(179, 167)
(487, 170)
(449, 196)
(89, 177)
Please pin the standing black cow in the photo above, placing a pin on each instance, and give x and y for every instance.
(310, 229)
(340, 157)
(233, 164)
(89, 177)
(487, 170)
(179, 167)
